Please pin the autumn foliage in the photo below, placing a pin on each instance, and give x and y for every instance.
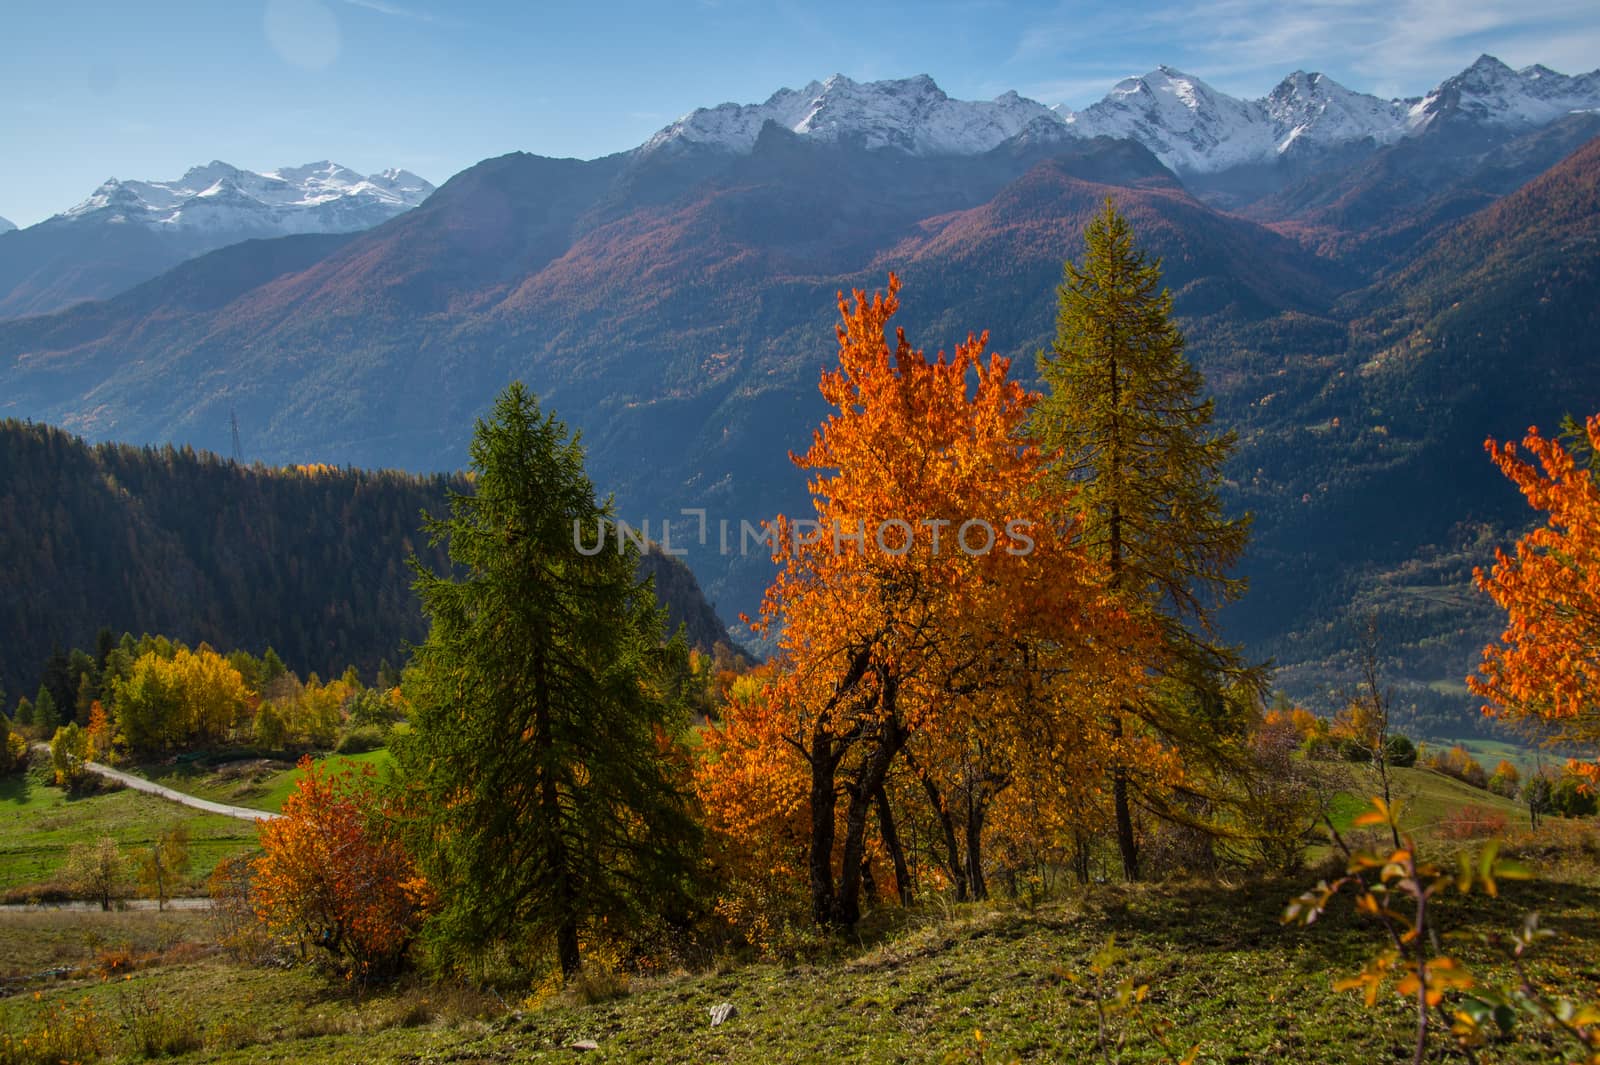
(1546, 666)
(334, 875)
(937, 640)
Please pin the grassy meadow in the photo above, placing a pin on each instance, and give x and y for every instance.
(989, 982)
(994, 982)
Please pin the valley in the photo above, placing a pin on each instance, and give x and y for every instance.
(570, 562)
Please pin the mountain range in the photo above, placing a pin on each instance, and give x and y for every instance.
(1395, 281)
(1190, 126)
(126, 232)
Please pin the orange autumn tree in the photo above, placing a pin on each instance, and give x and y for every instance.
(752, 787)
(1546, 666)
(905, 605)
(334, 875)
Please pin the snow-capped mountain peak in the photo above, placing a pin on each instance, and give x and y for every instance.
(911, 114)
(1187, 124)
(1193, 127)
(1491, 93)
(321, 197)
(1315, 107)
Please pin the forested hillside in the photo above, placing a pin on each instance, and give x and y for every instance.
(310, 560)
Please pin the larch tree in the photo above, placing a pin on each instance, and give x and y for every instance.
(1546, 666)
(1129, 434)
(543, 761)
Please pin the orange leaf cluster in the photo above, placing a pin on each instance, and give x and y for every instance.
(931, 611)
(1547, 663)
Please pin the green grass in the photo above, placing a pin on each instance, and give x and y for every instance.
(1220, 967)
(259, 784)
(40, 824)
(1490, 752)
(36, 941)
(1427, 798)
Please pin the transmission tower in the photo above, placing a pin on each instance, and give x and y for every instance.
(238, 452)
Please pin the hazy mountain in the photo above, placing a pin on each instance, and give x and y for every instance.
(671, 304)
(310, 561)
(1371, 480)
(126, 232)
(676, 304)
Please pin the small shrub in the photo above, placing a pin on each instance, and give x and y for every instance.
(1472, 822)
(155, 1029)
(361, 739)
(1571, 797)
(413, 1011)
(65, 1033)
(116, 961)
(596, 982)
(1401, 751)
(231, 1033)
(1350, 749)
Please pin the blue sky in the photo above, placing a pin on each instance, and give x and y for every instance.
(145, 90)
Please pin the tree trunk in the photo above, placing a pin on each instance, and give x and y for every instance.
(975, 817)
(869, 778)
(824, 800)
(567, 948)
(1119, 796)
(824, 759)
(1080, 857)
(567, 951)
(891, 842)
(952, 858)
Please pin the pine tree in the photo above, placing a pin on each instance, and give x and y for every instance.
(84, 703)
(1135, 452)
(272, 667)
(44, 711)
(546, 716)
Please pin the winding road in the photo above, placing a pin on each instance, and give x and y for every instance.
(243, 813)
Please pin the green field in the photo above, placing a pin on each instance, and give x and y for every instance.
(40, 824)
(259, 784)
(1489, 753)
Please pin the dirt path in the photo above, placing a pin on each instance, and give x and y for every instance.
(243, 813)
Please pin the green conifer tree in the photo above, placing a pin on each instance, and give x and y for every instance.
(545, 709)
(1136, 453)
(44, 711)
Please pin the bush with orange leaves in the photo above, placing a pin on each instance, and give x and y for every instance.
(335, 875)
